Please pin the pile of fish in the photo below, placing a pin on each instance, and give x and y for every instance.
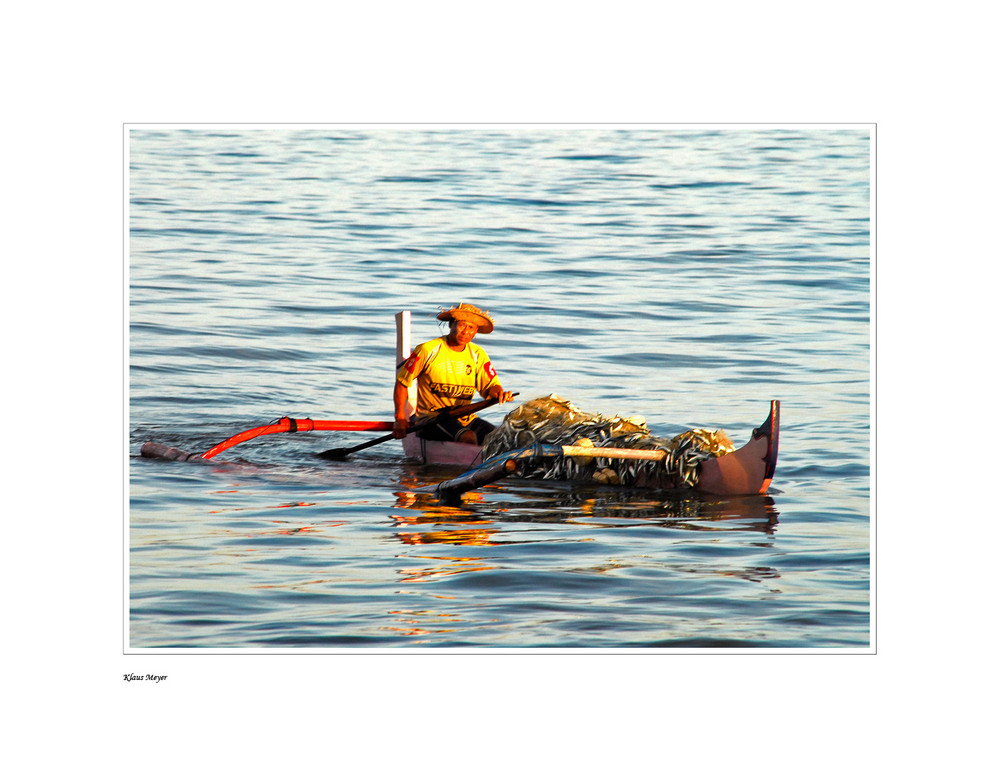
(555, 421)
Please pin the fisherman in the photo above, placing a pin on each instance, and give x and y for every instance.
(448, 371)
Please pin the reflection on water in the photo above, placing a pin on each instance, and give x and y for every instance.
(257, 508)
(497, 515)
(416, 623)
(444, 566)
(460, 537)
(482, 514)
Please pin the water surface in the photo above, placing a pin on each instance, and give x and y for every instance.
(689, 276)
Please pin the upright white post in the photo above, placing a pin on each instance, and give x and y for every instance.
(402, 352)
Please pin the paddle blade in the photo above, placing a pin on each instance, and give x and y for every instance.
(334, 453)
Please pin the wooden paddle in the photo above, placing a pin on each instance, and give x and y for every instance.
(447, 413)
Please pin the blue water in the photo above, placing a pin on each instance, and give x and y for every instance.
(689, 276)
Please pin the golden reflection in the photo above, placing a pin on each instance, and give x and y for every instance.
(415, 632)
(477, 521)
(283, 530)
(417, 623)
(427, 622)
(443, 566)
(472, 532)
(423, 616)
(459, 537)
(588, 507)
(266, 507)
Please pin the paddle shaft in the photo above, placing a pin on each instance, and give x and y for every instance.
(448, 413)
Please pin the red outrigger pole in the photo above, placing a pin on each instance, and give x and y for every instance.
(285, 424)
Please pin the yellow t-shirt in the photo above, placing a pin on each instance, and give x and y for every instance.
(447, 378)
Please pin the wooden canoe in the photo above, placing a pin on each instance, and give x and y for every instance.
(748, 470)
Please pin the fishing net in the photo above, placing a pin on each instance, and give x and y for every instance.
(554, 421)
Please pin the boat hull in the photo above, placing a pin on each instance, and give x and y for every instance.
(441, 452)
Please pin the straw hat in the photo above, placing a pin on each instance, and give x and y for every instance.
(467, 312)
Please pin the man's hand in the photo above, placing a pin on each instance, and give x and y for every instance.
(399, 428)
(500, 394)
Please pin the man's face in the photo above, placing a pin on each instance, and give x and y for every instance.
(462, 332)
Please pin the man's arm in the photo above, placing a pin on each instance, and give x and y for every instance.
(400, 394)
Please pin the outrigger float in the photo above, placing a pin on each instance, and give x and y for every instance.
(740, 471)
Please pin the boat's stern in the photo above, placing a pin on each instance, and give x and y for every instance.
(749, 469)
